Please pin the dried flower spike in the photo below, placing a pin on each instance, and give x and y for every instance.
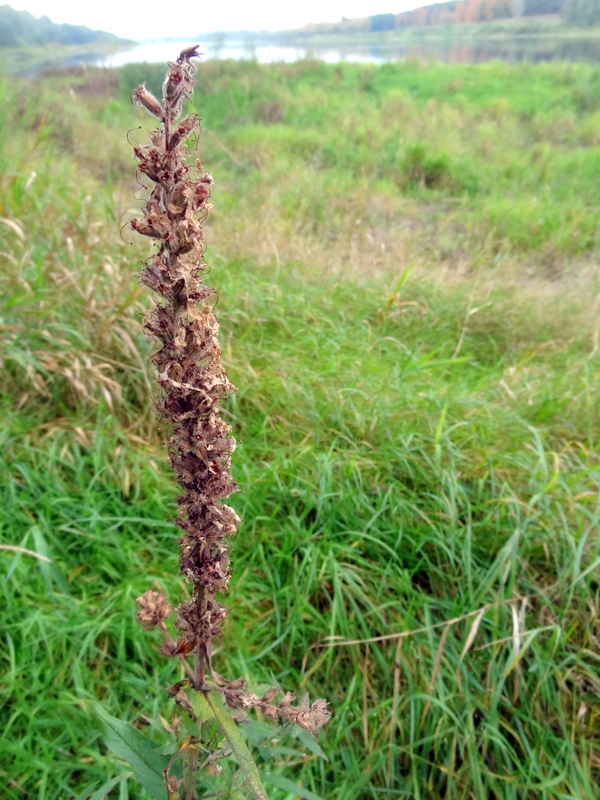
(188, 360)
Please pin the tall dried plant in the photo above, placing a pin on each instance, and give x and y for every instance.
(192, 383)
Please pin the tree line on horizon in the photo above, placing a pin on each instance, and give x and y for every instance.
(22, 29)
(582, 13)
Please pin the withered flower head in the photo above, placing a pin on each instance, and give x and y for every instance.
(153, 609)
(310, 717)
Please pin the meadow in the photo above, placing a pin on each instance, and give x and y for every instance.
(407, 265)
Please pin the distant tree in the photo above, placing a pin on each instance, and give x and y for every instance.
(539, 7)
(583, 13)
(17, 27)
(462, 13)
(382, 22)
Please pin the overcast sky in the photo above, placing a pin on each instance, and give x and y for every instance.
(159, 18)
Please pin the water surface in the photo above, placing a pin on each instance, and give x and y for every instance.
(455, 51)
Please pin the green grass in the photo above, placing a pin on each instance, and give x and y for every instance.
(407, 265)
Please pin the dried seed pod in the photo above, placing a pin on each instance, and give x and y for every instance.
(142, 97)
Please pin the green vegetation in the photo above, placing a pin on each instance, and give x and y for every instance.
(406, 258)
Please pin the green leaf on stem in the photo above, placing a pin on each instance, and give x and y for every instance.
(239, 748)
(202, 710)
(289, 786)
(138, 750)
(309, 741)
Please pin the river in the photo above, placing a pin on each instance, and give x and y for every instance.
(459, 50)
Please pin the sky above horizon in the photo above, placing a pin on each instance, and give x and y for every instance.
(185, 18)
